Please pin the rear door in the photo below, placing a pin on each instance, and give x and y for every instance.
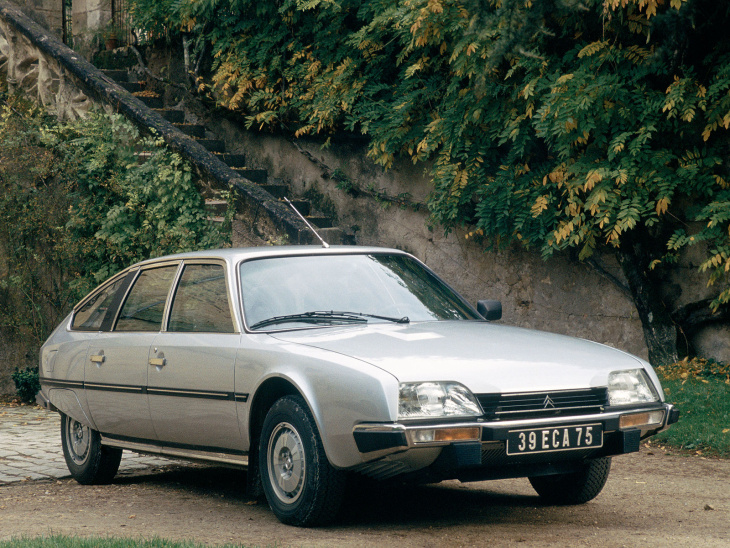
(191, 380)
(118, 360)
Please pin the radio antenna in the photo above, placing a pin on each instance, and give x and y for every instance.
(324, 244)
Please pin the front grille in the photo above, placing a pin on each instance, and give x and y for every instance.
(529, 405)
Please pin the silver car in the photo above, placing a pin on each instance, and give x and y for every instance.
(306, 365)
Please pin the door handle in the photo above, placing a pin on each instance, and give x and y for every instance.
(98, 358)
(158, 362)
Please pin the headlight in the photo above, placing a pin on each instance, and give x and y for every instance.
(630, 386)
(422, 400)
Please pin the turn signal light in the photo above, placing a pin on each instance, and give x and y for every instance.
(446, 434)
(641, 419)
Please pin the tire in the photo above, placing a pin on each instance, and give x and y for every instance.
(300, 484)
(574, 488)
(89, 462)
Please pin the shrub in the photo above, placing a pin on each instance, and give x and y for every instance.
(26, 382)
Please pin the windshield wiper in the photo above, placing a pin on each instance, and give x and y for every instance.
(310, 317)
(318, 316)
(404, 319)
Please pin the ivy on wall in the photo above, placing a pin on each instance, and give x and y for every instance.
(78, 205)
(557, 125)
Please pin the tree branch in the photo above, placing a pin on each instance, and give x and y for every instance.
(599, 268)
(148, 72)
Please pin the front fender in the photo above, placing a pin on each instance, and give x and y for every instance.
(340, 391)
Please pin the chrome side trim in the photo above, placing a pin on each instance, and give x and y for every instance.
(238, 461)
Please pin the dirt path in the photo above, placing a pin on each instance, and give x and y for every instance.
(651, 499)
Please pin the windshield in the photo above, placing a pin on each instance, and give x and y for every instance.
(295, 292)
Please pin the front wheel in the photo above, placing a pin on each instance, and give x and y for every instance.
(576, 487)
(301, 486)
(89, 462)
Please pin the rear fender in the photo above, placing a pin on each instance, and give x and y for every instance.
(68, 403)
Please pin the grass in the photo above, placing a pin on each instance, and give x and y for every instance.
(701, 391)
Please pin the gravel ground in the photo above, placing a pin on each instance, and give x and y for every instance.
(652, 498)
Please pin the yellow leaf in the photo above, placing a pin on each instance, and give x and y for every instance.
(662, 205)
(592, 49)
(540, 205)
(592, 178)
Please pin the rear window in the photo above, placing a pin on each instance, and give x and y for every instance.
(145, 305)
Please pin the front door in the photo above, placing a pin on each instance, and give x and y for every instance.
(191, 377)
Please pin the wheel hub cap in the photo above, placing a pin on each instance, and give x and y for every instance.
(286, 463)
(78, 441)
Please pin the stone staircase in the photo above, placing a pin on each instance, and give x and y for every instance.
(215, 204)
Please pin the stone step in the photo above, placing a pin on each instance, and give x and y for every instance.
(216, 207)
(143, 156)
(320, 221)
(152, 101)
(132, 87)
(335, 236)
(193, 130)
(214, 145)
(277, 191)
(233, 160)
(258, 176)
(303, 206)
(117, 75)
(172, 116)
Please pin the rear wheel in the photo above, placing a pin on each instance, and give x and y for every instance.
(574, 488)
(87, 459)
(301, 486)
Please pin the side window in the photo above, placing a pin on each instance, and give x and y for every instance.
(91, 315)
(201, 301)
(145, 305)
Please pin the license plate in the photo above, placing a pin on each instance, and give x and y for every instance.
(559, 438)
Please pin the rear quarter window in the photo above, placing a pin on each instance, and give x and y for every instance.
(91, 315)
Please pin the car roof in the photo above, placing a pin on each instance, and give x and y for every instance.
(234, 255)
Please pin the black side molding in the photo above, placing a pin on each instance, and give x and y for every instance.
(377, 441)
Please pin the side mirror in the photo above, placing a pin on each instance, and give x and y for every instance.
(490, 310)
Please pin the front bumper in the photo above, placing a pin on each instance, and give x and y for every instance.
(375, 441)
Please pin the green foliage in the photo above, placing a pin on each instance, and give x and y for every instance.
(77, 206)
(159, 18)
(704, 422)
(26, 382)
(556, 125)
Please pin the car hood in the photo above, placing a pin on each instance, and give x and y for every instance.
(483, 356)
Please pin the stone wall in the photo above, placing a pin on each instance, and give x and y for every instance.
(46, 13)
(558, 295)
